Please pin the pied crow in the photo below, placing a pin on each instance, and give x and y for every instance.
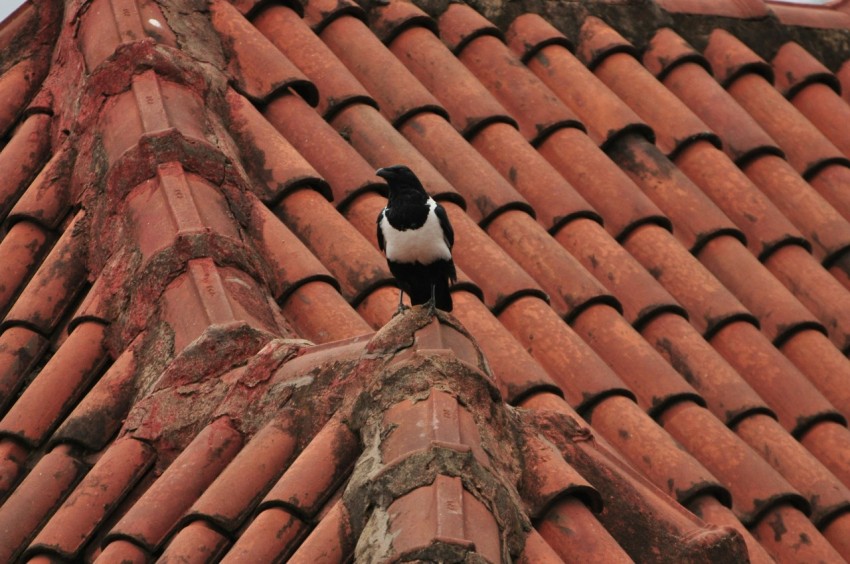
(415, 234)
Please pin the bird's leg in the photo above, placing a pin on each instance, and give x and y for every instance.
(401, 306)
(432, 303)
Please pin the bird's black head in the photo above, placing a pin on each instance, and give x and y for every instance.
(400, 178)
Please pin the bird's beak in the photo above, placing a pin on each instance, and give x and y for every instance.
(383, 173)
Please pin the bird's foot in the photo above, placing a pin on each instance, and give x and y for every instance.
(401, 309)
(432, 307)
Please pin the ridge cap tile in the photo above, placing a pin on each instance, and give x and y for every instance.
(745, 9)
(814, 16)
(124, 21)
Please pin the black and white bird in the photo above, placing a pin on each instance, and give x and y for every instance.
(415, 234)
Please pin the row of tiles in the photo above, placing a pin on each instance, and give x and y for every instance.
(356, 296)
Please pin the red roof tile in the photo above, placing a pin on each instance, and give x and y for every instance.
(97, 495)
(260, 71)
(316, 473)
(36, 498)
(22, 158)
(153, 517)
(59, 384)
(60, 276)
(456, 523)
(632, 246)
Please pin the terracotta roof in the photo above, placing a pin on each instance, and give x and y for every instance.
(648, 355)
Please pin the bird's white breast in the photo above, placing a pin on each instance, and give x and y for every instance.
(424, 245)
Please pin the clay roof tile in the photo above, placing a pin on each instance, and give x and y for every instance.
(609, 190)
(36, 497)
(675, 126)
(756, 488)
(47, 200)
(20, 349)
(21, 250)
(235, 493)
(586, 379)
(667, 50)
(273, 534)
(320, 13)
(278, 166)
(101, 412)
(332, 538)
(22, 158)
(796, 69)
(470, 106)
(61, 276)
(814, 91)
(537, 110)
(294, 38)
(94, 499)
(225, 225)
(603, 113)
(399, 95)
(687, 74)
(153, 517)
(17, 86)
(195, 541)
(316, 473)
(259, 70)
(58, 385)
(731, 59)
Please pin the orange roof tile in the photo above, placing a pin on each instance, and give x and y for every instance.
(200, 354)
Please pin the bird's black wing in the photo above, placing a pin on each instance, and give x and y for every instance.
(445, 225)
(381, 244)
